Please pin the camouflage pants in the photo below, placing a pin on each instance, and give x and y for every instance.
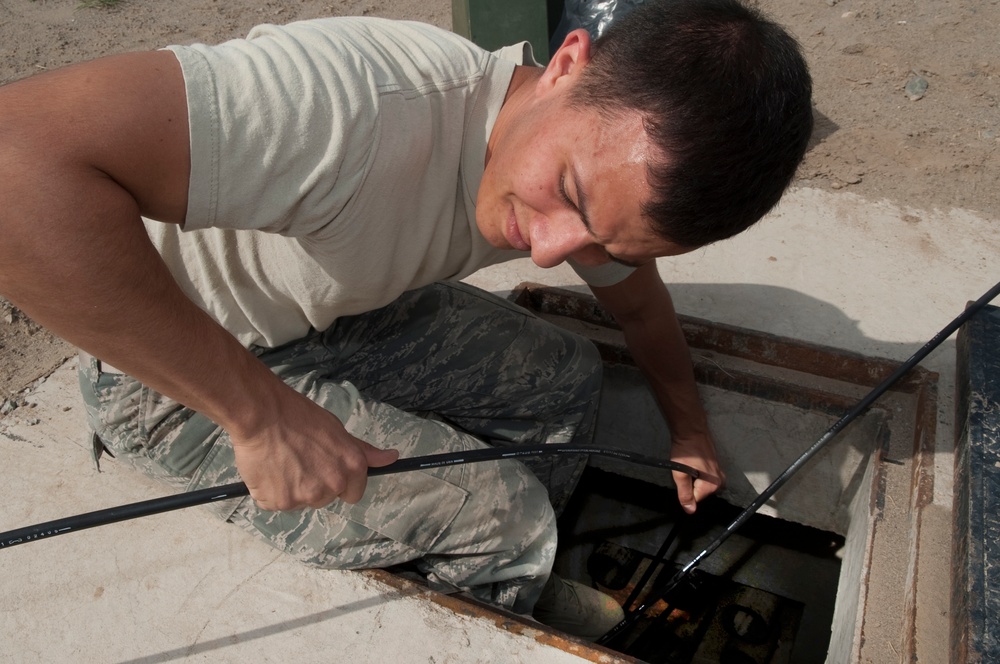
(444, 368)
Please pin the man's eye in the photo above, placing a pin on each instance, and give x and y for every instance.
(562, 192)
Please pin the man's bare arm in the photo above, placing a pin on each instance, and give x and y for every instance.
(84, 152)
(642, 306)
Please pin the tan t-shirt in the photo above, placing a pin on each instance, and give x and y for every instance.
(335, 164)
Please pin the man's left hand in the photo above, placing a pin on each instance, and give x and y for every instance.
(699, 453)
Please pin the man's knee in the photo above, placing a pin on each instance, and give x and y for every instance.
(533, 510)
(564, 360)
(507, 510)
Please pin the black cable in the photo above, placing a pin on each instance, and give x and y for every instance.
(660, 557)
(239, 489)
(766, 494)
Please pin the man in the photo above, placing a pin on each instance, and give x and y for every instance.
(245, 240)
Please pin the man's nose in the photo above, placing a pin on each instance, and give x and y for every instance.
(556, 240)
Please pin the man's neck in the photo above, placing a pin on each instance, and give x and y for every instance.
(518, 93)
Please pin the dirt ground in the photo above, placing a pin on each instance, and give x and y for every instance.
(879, 133)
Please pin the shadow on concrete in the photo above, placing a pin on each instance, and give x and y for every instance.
(785, 430)
(271, 630)
(799, 317)
(795, 315)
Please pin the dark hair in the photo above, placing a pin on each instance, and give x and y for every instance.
(725, 95)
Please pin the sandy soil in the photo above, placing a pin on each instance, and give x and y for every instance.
(937, 149)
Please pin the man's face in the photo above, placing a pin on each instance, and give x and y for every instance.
(563, 181)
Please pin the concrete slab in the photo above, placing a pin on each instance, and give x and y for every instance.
(828, 268)
(183, 585)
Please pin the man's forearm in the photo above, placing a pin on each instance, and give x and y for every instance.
(643, 308)
(78, 261)
(107, 145)
(661, 353)
(110, 143)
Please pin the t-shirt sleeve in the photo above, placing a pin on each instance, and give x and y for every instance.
(608, 274)
(282, 127)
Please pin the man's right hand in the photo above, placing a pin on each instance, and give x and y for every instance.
(305, 459)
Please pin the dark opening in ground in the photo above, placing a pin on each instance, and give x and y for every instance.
(766, 595)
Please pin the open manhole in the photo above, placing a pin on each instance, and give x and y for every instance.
(795, 584)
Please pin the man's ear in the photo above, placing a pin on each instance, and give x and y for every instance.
(568, 60)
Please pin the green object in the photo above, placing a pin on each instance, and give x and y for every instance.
(493, 24)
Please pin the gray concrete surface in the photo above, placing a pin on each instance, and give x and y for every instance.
(825, 268)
